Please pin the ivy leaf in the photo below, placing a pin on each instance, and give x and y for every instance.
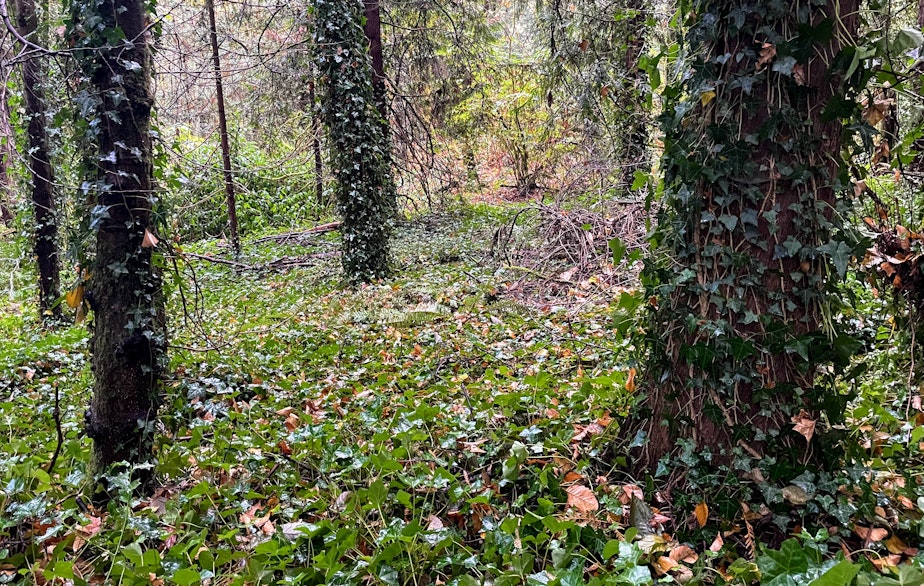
(728, 221)
(839, 253)
(784, 65)
(842, 573)
(778, 567)
(907, 39)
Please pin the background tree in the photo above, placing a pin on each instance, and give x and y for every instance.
(112, 38)
(41, 174)
(750, 250)
(227, 172)
(360, 163)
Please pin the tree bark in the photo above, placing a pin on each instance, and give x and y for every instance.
(45, 244)
(7, 156)
(223, 131)
(317, 129)
(373, 31)
(736, 335)
(124, 290)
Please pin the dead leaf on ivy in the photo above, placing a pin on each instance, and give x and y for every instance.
(701, 512)
(895, 544)
(804, 425)
(664, 564)
(684, 553)
(434, 523)
(870, 534)
(582, 498)
(767, 54)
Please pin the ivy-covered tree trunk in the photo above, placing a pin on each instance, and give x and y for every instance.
(41, 174)
(359, 157)
(124, 289)
(742, 284)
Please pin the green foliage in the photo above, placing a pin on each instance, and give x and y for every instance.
(271, 192)
(360, 151)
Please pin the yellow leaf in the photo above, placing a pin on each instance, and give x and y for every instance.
(702, 514)
(582, 498)
(706, 97)
(895, 544)
(74, 298)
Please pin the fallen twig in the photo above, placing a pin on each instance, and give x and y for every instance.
(329, 227)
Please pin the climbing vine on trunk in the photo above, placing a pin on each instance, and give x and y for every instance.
(743, 285)
(359, 149)
(114, 105)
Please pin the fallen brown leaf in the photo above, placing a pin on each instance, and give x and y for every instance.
(582, 498)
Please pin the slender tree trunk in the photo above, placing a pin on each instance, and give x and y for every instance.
(129, 336)
(223, 131)
(737, 333)
(920, 13)
(373, 32)
(7, 156)
(317, 127)
(45, 245)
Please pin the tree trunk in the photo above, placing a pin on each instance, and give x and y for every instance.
(360, 158)
(373, 31)
(124, 291)
(45, 245)
(7, 156)
(747, 259)
(223, 131)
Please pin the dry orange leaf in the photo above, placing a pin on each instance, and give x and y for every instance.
(630, 381)
(701, 512)
(664, 564)
(572, 477)
(582, 498)
(870, 534)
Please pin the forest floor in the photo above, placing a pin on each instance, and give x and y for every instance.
(454, 425)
